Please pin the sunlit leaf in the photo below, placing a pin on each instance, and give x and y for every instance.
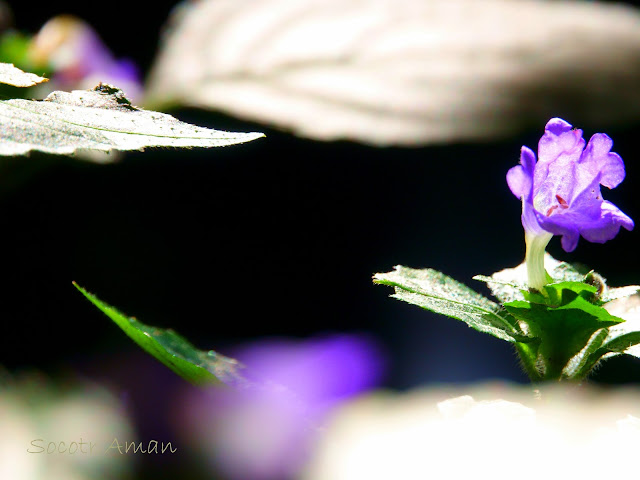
(101, 119)
(11, 75)
(197, 366)
(404, 72)
(439, 293)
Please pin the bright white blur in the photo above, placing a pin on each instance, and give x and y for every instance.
(497, 432)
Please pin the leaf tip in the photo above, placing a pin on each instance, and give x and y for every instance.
(11, 75)
(81, 290)
(379, 278)
(251, 136)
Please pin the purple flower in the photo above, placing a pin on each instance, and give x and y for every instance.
(80, 59)
(268, 432)
(561, 192)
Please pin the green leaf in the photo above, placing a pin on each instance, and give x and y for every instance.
(621, 343)
(432, 290)
(196, 366)
(605, 344)
(565, 328)
(623, 338)
(101, 119)
(579, 366)
(11, 75)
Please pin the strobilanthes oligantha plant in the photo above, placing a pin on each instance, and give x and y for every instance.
(561, 193)
(555, 317)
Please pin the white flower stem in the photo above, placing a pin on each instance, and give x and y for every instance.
(536, 274)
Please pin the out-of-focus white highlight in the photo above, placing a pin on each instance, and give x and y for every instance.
(560, 432)
(407, 72)
(37, 409)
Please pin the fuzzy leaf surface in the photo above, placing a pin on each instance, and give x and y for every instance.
(624, 337)
(433, 290)
(102, 119)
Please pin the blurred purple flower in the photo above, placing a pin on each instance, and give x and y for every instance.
(561, 192)
(80, 60)
(266, 431)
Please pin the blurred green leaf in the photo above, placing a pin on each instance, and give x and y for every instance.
(14, 48)
(439, 293)
(196, 366)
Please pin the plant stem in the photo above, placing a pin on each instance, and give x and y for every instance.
(536, 244)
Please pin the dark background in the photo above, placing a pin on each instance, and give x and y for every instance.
(278, 237)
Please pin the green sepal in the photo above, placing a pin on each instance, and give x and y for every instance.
(196, 366)
(565, 322)
(559, 294)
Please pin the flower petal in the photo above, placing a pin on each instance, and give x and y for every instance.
(583, 212)
(598, 156)
(530, 220)
(600, 228)
(520, 177)
(559, 150)
(557, 126)
(608, 225)
(559, 138)
(587, 201)
(564, 225)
